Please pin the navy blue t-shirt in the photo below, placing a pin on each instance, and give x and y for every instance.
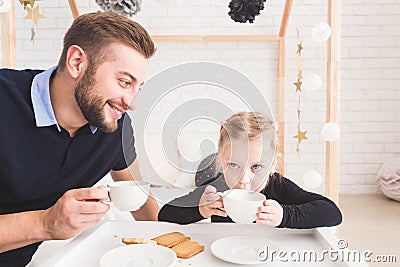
(39, 164)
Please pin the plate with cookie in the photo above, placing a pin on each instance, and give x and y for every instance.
(243, 249)
(161, 250)
(143, 255)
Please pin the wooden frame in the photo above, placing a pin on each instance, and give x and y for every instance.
(8, 38)
(333, 98)
(333, 73)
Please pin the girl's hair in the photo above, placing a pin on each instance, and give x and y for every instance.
(95, 32)
(251, 125)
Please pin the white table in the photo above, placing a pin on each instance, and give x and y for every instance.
(87, 248)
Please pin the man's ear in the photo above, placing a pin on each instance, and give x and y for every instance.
(75, 61)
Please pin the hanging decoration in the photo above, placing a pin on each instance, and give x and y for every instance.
(245, 10)
(312, 179)
(330, 132)
(311, 82)
(126, 8)
(301, 135)
(320, 32)
(33, 14)
(5, 6)
(33, 33)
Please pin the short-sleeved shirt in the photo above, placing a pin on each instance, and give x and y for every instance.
(39, 161)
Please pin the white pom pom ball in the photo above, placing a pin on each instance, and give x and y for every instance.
(312, 179)
(320, 32)
(330, 132)
(311, 82)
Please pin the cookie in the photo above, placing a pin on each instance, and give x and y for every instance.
(130, 241)
(170, 239)
(187, 249)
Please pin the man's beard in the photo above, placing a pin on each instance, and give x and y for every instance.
(91, 103)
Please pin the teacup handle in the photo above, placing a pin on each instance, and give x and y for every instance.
(108, 202)
(220, 194)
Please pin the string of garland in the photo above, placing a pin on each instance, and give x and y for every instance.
(33, 14)
(126, 8)
(245, 10)
(299, 63)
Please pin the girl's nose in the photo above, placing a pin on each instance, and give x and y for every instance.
(247, 177)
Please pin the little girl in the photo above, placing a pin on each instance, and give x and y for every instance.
(246, 159)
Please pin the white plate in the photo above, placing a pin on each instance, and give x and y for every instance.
(142, 255)
(243, 249)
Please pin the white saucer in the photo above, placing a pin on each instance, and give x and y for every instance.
(142, 255)
(243, 249)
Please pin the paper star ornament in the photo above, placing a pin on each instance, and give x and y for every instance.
(298, 85)
(34, 15)
(300, 75)
(298, 61)
(300, 136)
(24, 3)
(299, 48)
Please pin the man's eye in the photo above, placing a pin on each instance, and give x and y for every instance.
(256, 167)
(125, 83)
(233, 165)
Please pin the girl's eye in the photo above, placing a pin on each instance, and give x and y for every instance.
(233, 165)
(256, 167)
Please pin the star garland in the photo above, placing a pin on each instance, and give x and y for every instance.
(33, 14)
(301, 135)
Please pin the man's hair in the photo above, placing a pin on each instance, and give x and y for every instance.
(95, 32)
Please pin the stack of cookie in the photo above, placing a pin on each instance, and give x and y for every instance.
(181, 244)
(178, 242)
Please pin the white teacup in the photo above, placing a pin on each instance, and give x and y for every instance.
(242, 205)
(128, 195)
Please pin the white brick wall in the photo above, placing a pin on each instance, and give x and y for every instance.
(370, 95)
(370, 75)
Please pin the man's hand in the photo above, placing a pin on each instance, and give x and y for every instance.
(75, 211)
(210, 203)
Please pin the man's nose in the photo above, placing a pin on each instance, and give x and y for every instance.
(127, 99)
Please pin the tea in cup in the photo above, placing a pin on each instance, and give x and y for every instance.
(242, 205)
(128, 195)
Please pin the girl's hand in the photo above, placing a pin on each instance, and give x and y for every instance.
(270, 213)
(210, 203)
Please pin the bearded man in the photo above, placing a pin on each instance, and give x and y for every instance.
(61, 132)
